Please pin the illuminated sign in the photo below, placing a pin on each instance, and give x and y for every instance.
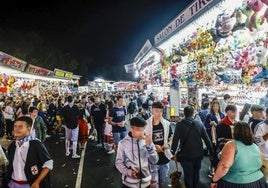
(38, 70)
(12, 62)
(62, 73)
(188, 13)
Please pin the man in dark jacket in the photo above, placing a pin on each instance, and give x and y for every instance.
(98, 115)
(189, 133)
(70, 113)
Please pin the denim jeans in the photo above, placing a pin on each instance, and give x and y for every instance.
(191, 170)
(159, 174)
(119, 136)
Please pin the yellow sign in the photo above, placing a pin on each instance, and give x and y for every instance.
(59, 73)
(172, 111)
(68, 75)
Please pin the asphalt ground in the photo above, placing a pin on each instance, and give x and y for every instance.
(98, 170)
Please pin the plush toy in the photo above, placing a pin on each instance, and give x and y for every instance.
(194, 44)
(5, 79)
(242, 59)
(255, 20)
(240, 20)
(263, 75)
(226, 24)
(261, 53)
(223, 77)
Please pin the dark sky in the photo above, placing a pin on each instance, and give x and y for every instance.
(110, 32)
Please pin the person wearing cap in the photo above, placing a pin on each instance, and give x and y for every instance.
(257, 118)
(261, 139)
(135, 153)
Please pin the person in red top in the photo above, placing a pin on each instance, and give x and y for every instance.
(224, 129)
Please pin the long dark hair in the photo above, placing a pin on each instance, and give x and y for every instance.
(211, 106)
(244, 111)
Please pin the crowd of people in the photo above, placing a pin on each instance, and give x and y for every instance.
(133, 127)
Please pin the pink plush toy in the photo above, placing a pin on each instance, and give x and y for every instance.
(255, 19)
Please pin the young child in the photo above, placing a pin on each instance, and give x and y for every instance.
(135, 153)
(108, 137)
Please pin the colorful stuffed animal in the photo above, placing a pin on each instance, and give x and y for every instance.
(226, 24)
(242, 59)
(255, 20)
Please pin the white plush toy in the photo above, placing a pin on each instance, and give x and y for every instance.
(261, 53)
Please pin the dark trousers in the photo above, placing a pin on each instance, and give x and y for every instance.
(9, 127)
(191, 170)
(100, 132)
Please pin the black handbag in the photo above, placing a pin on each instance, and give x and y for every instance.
(179, 154)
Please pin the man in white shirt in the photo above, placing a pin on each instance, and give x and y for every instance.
(29, 160)
(261, 139)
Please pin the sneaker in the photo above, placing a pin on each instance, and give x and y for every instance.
(98, 145)
(67, 153)
(75, 156)
(111, 152)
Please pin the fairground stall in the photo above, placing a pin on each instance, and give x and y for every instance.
(215, 47)
(18, 77)
(150, 67)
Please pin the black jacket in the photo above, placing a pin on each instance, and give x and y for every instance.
(37, 155)
(70, 115)
(193, 147)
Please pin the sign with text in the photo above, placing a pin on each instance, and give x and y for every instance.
(145, 48)
(12, 62)
(63, 74)
(188, 13)
(32, 69)
(129, 68)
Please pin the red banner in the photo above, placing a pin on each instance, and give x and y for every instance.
(12, 62)
(32, 69)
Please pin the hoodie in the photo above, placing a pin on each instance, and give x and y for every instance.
(134, 154)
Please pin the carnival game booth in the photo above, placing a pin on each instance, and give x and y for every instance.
(219, 47)
(151, 67)
(18, 77)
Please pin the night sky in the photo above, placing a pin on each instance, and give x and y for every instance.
(108, 32)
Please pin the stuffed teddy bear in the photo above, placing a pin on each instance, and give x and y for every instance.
(261, 53)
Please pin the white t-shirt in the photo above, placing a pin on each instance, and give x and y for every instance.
(262, 129)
